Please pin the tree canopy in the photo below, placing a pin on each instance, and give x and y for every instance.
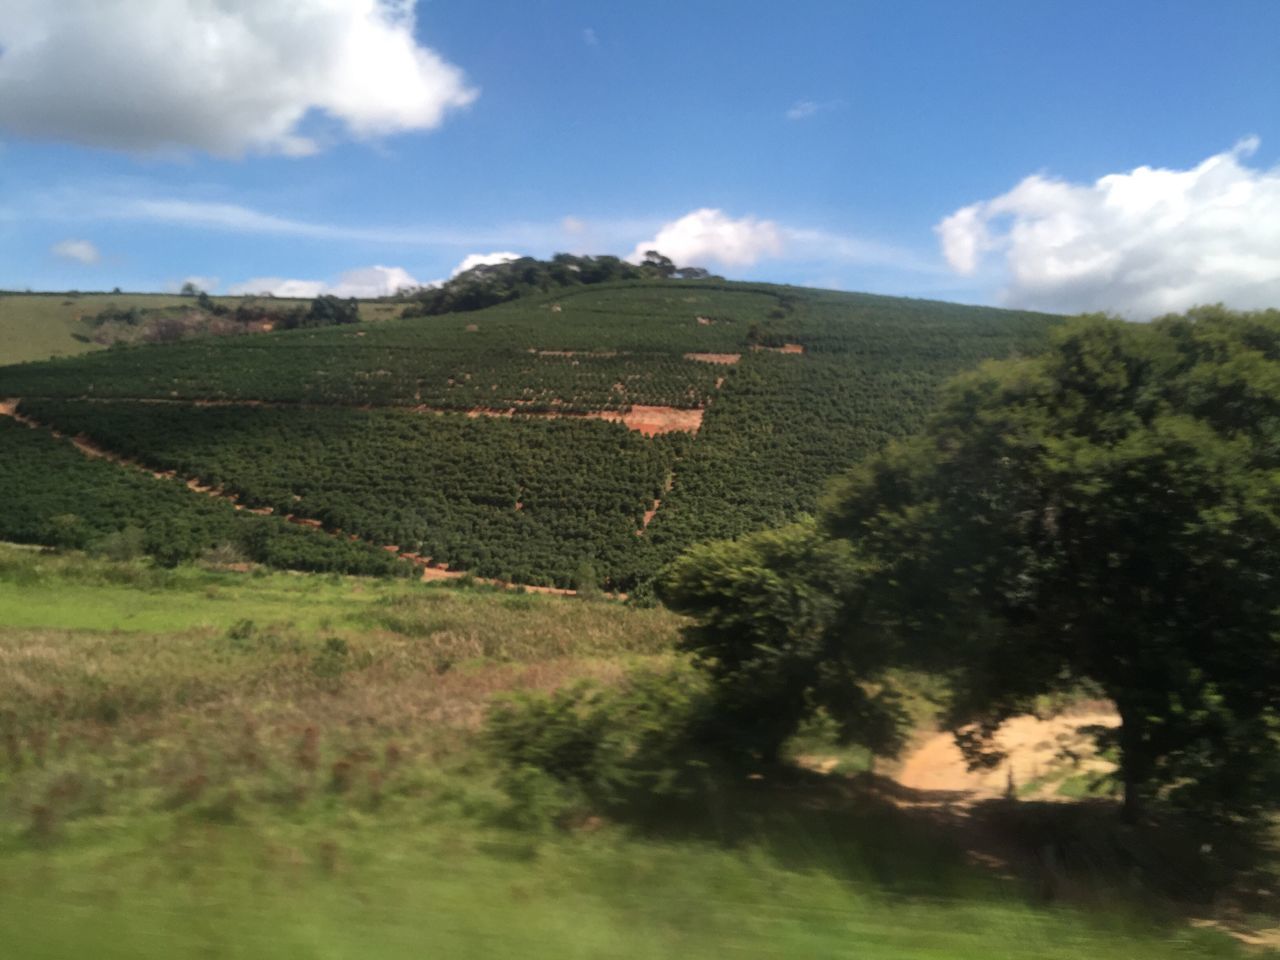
(1106, 514)
(492, 283)
(765, 608)
(1102, 519)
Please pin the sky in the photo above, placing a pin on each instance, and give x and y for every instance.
(1065, 156)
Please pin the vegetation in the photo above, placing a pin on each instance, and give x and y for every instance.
(38, 326)
(526, 500)
(56, 496)
(765, 611)
(1105, 514)
(292, 766)
(1101, 517)
(489, 284)
(774, 425)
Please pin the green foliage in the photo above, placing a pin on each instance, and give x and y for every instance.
(774, 426)
(236, 806)
(1106, 513)
(128, 543)
(490, 284)
(54, 495)
(588, 747)
(326, 310)
(764, 610)
(528, 500)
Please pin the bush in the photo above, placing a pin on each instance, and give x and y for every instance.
(590, 747)
(122, 545)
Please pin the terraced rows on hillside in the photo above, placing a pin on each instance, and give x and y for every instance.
(352, 426)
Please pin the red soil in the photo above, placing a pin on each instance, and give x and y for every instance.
(725, 358)
(652, 421)
(785, 348)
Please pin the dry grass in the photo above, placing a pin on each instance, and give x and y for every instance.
(363, 704)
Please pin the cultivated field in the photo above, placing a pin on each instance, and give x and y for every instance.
(471, 441)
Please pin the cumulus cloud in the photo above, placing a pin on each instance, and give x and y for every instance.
(1141, 243)
(708, 235)
(483, 259)
(364, 282)
(224, 76)
(82, 251)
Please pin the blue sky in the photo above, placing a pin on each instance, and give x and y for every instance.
(833, 144)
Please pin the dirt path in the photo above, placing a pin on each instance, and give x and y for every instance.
(430, 570)
(1036, 749)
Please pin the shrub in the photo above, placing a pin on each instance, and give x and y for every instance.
(592, 747)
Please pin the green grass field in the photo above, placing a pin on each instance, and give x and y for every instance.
(37, 326)
(196, 763)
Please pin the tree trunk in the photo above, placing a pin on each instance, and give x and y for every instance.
(1135, 764)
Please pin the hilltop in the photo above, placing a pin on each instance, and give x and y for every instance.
(578, 437)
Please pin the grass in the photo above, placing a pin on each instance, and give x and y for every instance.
(286, 766)
(37, 326)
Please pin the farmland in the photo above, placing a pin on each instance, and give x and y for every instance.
(372, 429)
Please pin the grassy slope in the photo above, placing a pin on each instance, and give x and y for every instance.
(37, 326)
(183, 784)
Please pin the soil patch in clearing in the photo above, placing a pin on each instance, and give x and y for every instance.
(652, 421)
(1034, 749)
(785, 348)
(575, 353)
(725, 358)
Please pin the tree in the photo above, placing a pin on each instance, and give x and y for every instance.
(657, 264)
(1106, 514)
(189, 289)
(764, 610)
(327, 310)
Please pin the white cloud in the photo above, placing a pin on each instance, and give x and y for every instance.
(224, 76)
(364, 282)
(804, 109)
(1141, 243)
(589, 37)
(483, 259)
(708, 235)
(82, 251)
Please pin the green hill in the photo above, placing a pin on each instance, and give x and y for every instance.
(38, 326)
(531, 441)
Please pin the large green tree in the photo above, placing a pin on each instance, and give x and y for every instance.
(764, 613)
(1106, 514)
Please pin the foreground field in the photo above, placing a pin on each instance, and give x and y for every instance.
(217, 764)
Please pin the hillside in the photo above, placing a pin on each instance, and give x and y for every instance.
(38, 326)
(571, 439)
